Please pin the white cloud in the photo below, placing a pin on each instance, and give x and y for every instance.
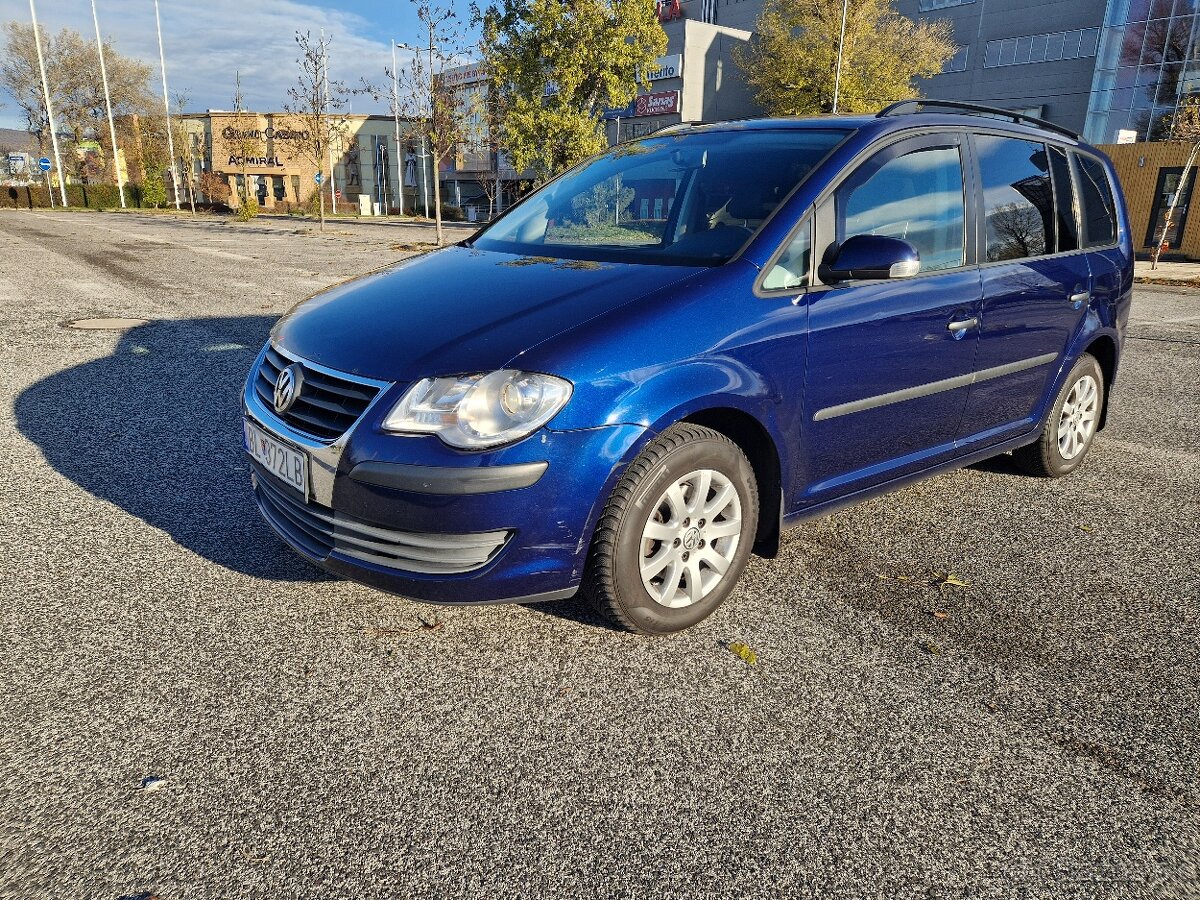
(208, 41)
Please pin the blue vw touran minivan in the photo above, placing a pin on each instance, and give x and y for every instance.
(647, 369)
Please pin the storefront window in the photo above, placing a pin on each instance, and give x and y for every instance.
(277, 188)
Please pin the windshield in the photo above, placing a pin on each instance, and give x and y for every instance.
(690, 199)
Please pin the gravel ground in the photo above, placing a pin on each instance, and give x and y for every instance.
(319, 739)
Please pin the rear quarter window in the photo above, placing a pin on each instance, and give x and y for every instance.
(1096, 199)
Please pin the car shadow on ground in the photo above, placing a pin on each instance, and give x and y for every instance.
(1000, 465)
(155, 428)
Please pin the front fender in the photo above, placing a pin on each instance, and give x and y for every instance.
(655, 398)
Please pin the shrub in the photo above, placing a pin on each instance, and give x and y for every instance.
(154, 190)
(452, 213)
(247, 209)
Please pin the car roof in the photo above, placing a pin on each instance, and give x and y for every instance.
(877, 126)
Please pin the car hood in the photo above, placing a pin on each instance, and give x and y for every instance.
(459, 310)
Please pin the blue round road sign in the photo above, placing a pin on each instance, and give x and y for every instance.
(317, 178)
(44, 164)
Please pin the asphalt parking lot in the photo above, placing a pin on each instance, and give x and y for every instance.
(1031, 732)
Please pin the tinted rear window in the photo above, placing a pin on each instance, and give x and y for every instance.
(1096, 199)
(1018, 199)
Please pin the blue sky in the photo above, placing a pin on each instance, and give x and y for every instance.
(207, 41)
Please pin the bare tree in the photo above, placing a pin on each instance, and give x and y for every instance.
(315, 104)
(183, 148)
(1184, 128)
(1019, 231)
(428, 97)
(245, 143)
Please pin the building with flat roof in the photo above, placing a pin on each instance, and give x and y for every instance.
(369, 172)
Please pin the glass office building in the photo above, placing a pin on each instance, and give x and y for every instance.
(1148, 60)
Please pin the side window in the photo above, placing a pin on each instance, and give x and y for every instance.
(916, 196)
(1099, 210)
(1064, 201)
(791, 269)
(1018, 201)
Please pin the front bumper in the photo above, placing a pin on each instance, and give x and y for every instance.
(411, 516)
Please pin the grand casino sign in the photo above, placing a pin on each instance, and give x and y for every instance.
(270, 133)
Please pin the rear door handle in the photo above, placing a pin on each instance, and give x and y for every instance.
(962, 326)
(1078, 299)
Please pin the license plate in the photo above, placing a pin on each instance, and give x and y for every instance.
(284, 462)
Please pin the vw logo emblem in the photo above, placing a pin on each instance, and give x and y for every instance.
(287, 387)
(691, 540)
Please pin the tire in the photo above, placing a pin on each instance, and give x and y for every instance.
(1076, 414)
(654, 518)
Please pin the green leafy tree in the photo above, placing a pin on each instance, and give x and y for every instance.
(556, 66)
(154, 189)
(76, 88)
(791, 65)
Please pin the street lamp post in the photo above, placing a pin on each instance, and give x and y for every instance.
(62, 178)
(112, 130)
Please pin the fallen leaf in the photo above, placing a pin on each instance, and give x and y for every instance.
(1086, 529)
(949, 578)
(744, 653)
(931, 648)
(938, 614)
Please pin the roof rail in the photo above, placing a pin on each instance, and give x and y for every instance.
(912, 106)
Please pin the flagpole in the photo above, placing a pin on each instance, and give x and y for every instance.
(162, 62)
(837, 78)
(332, 178)
(396, 116)
(62, 179)
(112, 129)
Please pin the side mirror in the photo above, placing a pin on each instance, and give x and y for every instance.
(869, 256)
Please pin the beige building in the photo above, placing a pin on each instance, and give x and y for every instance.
(1150, 174)
(266, 152)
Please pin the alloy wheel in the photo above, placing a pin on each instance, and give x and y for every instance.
(690, 538)
(1077, 421)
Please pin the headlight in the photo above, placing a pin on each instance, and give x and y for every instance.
(472, 412)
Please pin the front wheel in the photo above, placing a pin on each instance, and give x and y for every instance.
(676, 533)
(1067, 435)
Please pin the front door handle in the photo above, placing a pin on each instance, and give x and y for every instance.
(960, 327)
(1078, 299)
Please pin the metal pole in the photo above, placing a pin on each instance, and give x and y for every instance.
(62, 179)
(162, 62)
(837, 78)
(332, 177)
(112, 129)
(396, 116)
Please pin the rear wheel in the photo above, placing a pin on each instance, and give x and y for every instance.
(1067, 435)
(676, 533)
